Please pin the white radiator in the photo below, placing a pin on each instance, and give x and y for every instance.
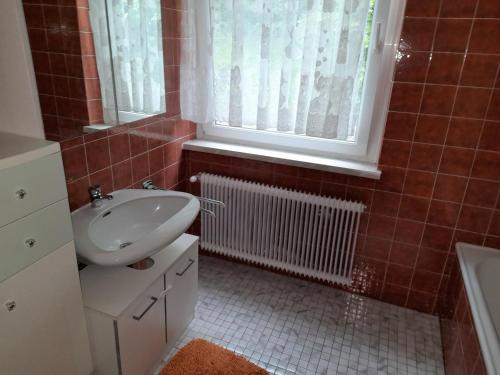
(288, 230)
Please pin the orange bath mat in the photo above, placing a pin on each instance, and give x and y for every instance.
(200, 357)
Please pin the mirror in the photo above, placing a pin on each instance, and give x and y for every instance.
(97, 66)
(128, 49)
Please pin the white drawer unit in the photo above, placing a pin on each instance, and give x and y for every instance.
(30, 187)
(28, 239)
(42, 322)
(42, 326)
(134, 317)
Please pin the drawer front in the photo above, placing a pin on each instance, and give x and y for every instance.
(31, 186)
(32, 237)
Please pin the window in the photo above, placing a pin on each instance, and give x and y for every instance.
(311, 76)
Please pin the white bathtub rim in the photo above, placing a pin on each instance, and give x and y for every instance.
(481, 316)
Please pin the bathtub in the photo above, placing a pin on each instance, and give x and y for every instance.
(481, 273)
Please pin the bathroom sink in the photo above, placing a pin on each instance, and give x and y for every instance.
(132, 226)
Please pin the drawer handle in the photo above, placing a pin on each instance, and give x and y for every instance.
(154, 300)
(10, 305)
(21, 193)
(30, 242)
(191, 262)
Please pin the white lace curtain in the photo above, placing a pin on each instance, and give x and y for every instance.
(137, 50)
(294, 66)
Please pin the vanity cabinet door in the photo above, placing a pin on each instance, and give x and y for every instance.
(181, 299)
(141, 332)
(42, 324)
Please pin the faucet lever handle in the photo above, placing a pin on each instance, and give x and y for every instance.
(95, 191)
(148, 184)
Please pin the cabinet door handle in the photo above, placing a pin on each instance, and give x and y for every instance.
(191, 262)
(154, 300)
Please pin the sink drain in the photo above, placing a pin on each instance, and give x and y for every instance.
(142, 264)
(125, 244)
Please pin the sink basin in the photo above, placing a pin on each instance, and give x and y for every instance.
(132, 226)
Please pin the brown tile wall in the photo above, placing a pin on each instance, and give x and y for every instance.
(440, 159)
(65, 67)
(126, 155)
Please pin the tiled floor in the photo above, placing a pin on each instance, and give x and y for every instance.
(290, 326)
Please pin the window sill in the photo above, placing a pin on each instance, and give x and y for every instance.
(347, 167)
(96, 127)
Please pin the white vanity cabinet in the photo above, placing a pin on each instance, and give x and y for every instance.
(134, 317)
(181, 299)
(42, 322)
(141, 331)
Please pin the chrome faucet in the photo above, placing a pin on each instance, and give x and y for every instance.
(96, 196)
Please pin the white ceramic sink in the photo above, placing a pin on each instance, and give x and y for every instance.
(132, 226)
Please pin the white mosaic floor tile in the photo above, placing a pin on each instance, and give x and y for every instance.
(290, 326)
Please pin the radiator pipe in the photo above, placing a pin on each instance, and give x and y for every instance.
(196, 178)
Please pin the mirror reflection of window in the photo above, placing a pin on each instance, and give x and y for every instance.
(129, 51)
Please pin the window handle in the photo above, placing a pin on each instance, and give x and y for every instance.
(379, 40)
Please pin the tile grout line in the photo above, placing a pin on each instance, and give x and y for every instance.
(492, 214)
(414, 268)
(439, 291)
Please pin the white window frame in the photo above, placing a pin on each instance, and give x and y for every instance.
(387, 23)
